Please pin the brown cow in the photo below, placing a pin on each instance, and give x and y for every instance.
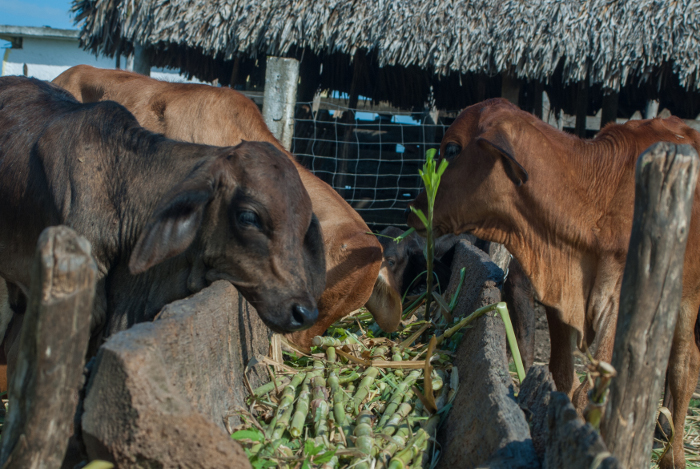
(564, 206)
(164, 218)
(222, 116)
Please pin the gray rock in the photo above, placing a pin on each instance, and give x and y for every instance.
(160, 391)
(485, 427)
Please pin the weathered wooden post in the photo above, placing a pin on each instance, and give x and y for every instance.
(581, 107)
(55, 332)
(650, 298)
(510, 88)
(652, 109)
(140, 60)
(281, 79)
(610, 105)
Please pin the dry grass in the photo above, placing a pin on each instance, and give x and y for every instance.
(691, 440)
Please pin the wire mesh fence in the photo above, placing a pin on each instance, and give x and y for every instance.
(370, 159)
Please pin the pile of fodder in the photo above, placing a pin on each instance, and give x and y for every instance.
(360, 399)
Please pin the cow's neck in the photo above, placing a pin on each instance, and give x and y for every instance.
(139, 185)
(569, 233)
(148, 168)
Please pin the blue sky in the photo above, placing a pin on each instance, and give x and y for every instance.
(54, 13)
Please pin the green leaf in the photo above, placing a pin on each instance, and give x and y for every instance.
(310, 449)
(264, 463)
(98, 464)
(419, 214)
(306, 465)
(324, 457)
(252, 434)
(442, 168)
(406, 233)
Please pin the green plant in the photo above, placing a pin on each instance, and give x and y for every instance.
(431, 175)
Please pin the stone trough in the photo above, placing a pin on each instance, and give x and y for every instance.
(166, 393)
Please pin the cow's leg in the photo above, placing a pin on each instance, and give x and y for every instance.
(561, 359)
(11, 346)
(606, 344)
(683, 369)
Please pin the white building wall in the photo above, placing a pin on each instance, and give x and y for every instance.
(46, 58)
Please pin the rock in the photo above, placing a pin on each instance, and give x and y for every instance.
(482, 281)
(535, 392)
(160, 391)
(560, 437)
(572, 443)
(485, 427)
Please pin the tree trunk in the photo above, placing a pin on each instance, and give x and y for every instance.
(54, 338)
(650, 298)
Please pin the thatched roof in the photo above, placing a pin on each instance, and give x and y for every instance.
(614, 42)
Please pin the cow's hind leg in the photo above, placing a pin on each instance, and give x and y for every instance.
(683, 369)
(561, 359)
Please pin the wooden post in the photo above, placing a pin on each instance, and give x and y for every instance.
(141, 60)
(610, 104)
(281, 79)
(349, 120)
(652, 109)
(234, 71)
(55, 332)
(538, 90)
(510, 88)
(581, 108)
(650, 298)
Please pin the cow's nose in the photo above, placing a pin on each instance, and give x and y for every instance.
(303, 317)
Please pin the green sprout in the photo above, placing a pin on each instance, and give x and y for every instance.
(431, 175)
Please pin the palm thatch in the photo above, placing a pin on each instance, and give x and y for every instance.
(560, 42)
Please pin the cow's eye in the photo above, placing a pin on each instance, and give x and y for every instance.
(391, 262)
(452, 150)
(249, 218)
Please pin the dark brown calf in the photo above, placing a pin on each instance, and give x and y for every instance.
(222, 116)
(164, 218)
(564, 206)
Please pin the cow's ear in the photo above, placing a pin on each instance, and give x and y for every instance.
(498, 143)
(172, 228)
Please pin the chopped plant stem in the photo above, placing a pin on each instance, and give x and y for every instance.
(284, 409)
(364, 388)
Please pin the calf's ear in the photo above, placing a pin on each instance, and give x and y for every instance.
(172, 227)
(497, 142)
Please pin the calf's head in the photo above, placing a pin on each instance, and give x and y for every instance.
(479, 188)
(243, 216)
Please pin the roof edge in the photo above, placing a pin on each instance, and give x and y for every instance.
(37, 31)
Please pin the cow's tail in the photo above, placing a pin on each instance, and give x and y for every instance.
(385, 302)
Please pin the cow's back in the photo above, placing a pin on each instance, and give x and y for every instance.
(180, 111)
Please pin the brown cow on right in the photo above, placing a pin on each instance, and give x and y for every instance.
(564, 207)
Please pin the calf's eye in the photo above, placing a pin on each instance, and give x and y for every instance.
(452, 150)
(249, 218)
